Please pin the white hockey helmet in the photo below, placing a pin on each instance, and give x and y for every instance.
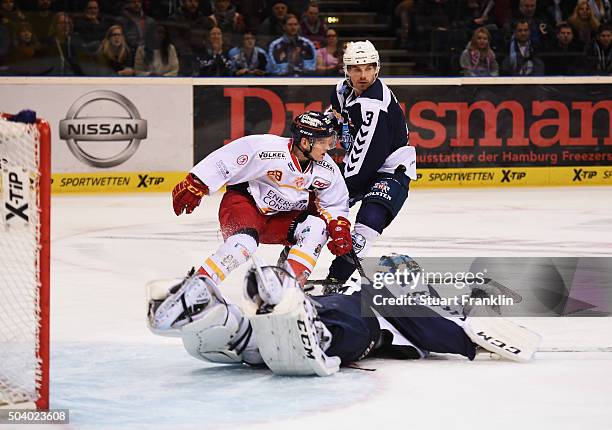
(361, 52)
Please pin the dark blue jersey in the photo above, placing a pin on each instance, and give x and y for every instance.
(377, 134)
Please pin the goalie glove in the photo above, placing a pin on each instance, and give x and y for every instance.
(187, 194)
(340, 241)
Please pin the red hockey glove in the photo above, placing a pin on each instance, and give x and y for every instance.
(187, 194)
(340, 241)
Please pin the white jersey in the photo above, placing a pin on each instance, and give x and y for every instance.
(274, 176)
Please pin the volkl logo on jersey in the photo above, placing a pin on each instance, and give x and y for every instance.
(510, 175)
(271, 155)
(580, 175)
(320, 183)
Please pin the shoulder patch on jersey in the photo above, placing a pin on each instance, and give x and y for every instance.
(271, 155)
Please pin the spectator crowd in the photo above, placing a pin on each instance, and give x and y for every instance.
(291, 38)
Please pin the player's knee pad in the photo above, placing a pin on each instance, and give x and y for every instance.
(389, 191)
(236, 250)
(310, 235)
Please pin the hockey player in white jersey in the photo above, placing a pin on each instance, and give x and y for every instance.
(378, 164)
(270, 181)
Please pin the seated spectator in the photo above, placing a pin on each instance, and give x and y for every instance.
(478, 59)
(228, 20)
(91, 26)
(599, 54)
(114, 54)
(291, 54)
(211, 59)
(188, 28)
(250, 59)
(26, 47)
(329, 57)
(584, 23)
(138, 28)
(564, 55)
(10, 15)
(522, 59)
(163, 61)
(272, 27)
(41, 18)
(312, 25)
(63, 50)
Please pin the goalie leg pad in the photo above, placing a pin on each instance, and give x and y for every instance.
(222, 335)
(291, 339)
(184, 303)
(501, 336)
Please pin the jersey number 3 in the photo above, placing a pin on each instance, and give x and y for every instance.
(368, 118)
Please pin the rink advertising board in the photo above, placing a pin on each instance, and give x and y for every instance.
(500, 134)
(110, 135)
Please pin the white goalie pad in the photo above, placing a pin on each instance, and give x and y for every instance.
(158, 290)
(288, 340)
(221, 335)
(503, 337)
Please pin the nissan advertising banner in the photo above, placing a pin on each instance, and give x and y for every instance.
(111, 128)
(452, 126)
(105, 137)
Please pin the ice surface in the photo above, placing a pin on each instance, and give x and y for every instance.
(113, 374)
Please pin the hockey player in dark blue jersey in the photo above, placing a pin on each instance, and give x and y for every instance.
(295, 334)
(378, 164)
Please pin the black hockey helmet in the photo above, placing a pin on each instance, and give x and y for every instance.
(312, 125)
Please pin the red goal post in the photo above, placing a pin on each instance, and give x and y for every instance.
(25, 191)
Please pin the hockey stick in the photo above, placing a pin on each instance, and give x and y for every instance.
(353, 255)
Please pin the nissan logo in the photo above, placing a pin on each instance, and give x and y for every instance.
(75, 129)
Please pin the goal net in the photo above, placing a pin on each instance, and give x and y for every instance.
(25, 187)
